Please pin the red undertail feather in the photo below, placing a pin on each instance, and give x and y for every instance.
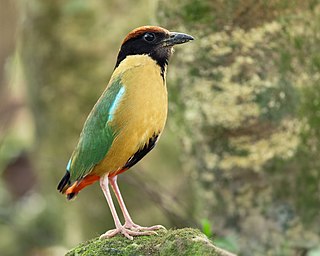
(72, 190)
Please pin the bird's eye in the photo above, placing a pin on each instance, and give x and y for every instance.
(149, 37)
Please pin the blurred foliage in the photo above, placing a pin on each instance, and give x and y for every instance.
(206, 227)
(248, 100)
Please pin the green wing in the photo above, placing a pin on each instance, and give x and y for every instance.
(97, 135)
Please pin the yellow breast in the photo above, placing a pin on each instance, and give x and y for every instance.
(141, 113)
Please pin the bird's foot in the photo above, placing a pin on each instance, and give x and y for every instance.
(127, 232)
(133, 226)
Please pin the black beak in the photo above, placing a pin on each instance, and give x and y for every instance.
(177, 38)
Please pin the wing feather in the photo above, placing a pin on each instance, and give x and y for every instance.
(97, 134)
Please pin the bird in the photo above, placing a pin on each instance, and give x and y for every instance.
(126, 122)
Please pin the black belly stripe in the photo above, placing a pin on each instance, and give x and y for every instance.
(141, 152)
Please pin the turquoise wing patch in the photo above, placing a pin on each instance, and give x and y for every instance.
(97, 135)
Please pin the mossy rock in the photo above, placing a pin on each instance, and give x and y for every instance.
(185, 241)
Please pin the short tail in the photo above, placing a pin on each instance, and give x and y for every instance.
(71, 191)
(64, 185)
(64, 182)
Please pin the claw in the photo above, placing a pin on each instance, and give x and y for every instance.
(128, 233)
(136, 227)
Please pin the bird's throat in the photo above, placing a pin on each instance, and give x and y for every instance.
(133, 61)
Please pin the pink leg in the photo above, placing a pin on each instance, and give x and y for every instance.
(128, 221)
(104, 183)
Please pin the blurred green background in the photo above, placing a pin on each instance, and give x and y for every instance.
(239, 157)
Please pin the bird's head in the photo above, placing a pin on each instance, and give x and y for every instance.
(154, 41)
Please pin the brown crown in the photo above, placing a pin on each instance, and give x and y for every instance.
(141, 30)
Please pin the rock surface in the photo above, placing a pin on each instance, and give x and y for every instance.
(185, 241)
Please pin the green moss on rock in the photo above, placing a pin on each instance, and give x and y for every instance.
(185, 241)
